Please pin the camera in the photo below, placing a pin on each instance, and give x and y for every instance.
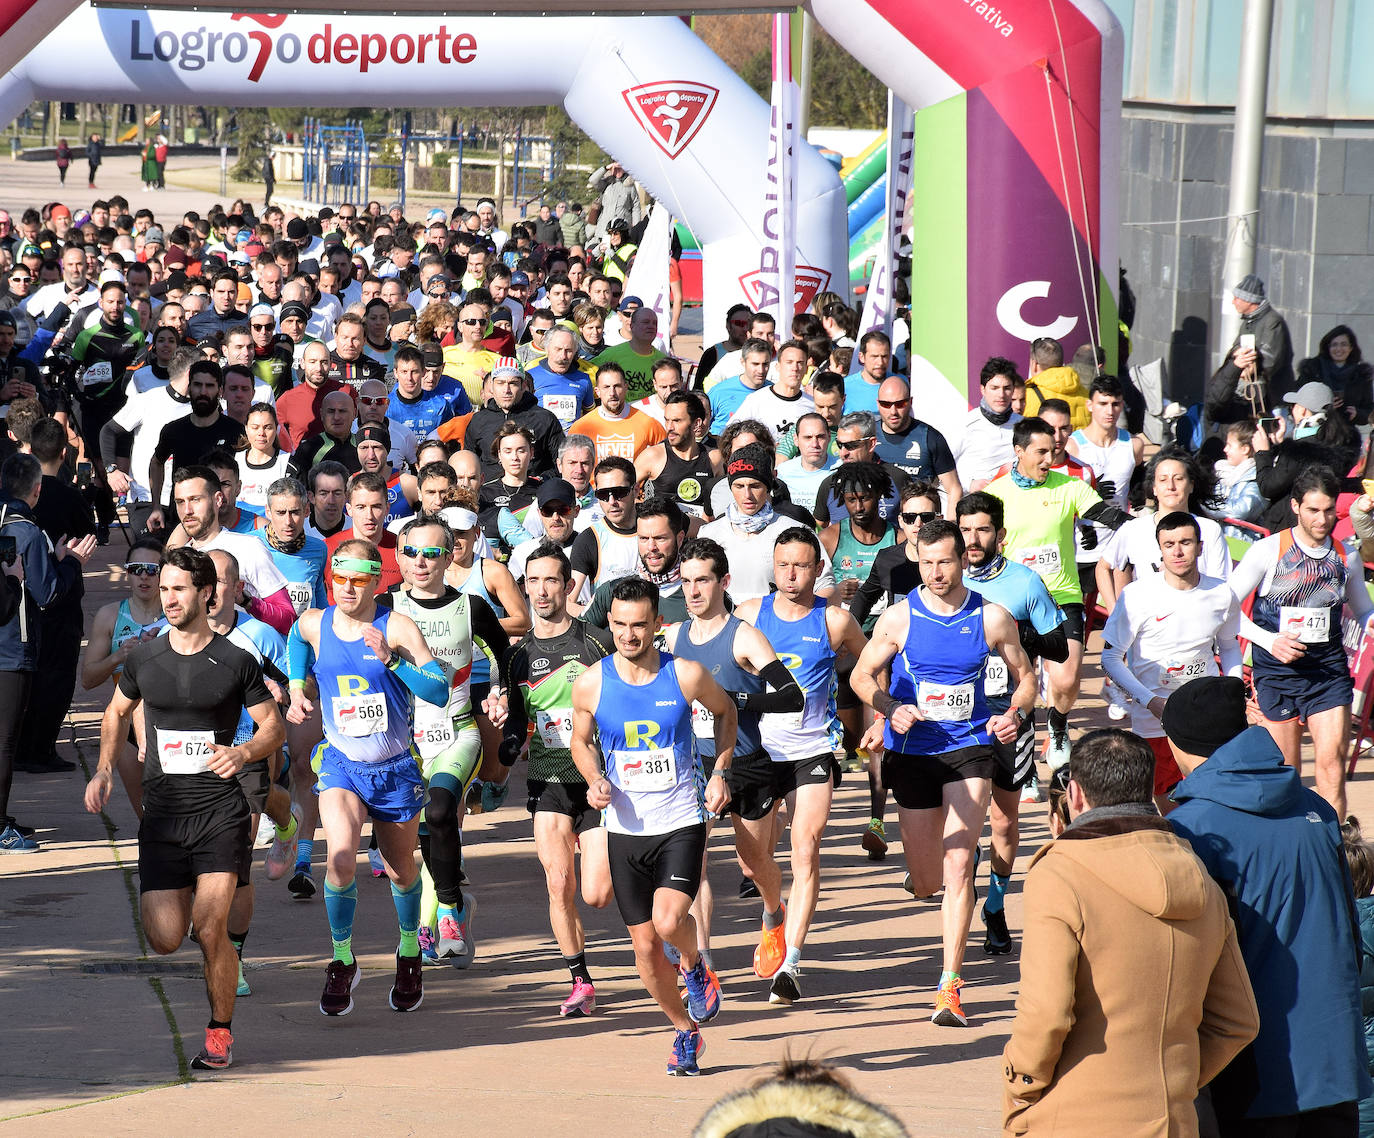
(9, 551)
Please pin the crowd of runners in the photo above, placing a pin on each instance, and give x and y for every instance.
(417, 512)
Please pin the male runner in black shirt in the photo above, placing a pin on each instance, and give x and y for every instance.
(193, 843)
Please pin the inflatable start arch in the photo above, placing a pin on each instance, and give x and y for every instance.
(1016, 167)
(646, 89)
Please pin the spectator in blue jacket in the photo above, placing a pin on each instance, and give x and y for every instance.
(49, 573)
(1275, 848)
(1359, 855)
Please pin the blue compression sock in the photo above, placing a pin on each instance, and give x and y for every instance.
(305, 850)
(407, 900)
(339, 907)
(997, 892)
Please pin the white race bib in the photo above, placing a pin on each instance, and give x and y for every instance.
(640, 771)
(1173, 674)
(97, 374)
(434, 732)
(995, 676)
(564, 407)
(184, 752)
(359, 716)
(703, 722)
(945, 703)
(555, 730)
(1305, 625)
(1044, 559)
(300, 593)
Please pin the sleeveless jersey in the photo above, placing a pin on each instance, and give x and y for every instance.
(852, 557)
(254, 480)
(365, 707)
(1114, 462)
(617, 554)
(649, 759)
(1305, 599)
(126, 628)
(476, 585)
(687, 481)
(447, 631)
(804, 646)
(398, 505)
(717, 656)
(940, 670)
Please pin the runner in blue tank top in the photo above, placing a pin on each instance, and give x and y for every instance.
(810, 637)
(367, 665)
(1041, 624)
(632, 742)
(938, 762)
(742, 661)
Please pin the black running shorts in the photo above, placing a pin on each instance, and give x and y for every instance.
(644, 863)
(568, 798)
(918, 782)
(1015, 760)
(174, 850)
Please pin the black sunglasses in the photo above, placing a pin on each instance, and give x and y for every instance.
(606, 493)
(922, 517)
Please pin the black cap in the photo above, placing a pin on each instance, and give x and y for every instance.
(295, 308)
(432, 355)
(401, 313)
(556, 490)
(7, 319)
(296, 229)
(176, 279)
(1205, 714)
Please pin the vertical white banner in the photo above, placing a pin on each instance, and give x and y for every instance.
(779, 254)
(648, 277)
(901, 138)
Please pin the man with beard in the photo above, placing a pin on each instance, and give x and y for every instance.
(186, 441)
(680, 468)
(194, 840)
(660, 529)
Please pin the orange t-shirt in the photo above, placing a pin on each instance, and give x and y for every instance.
(455, 430)
(624, 437)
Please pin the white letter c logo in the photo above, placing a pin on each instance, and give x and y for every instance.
(1009, 313)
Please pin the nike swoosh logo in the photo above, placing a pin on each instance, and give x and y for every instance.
(1159, 618)
(675, 877)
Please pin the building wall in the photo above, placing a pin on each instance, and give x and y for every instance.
(1315, 237)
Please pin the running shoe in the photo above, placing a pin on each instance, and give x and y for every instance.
(339, 981)
(427, 949)
(582, 1001)
(949, 1012)
(218, 1051)
(906, 884)
(374, 859)
(688, 1048)
(674, 957)
(12, 841)
(408, 991)
(875, 840)
(465, 948)
(282, 855)
(747, 888)
(449, 943)
(27, 831)
(243, 989)
(1031, 792)
(1057, 750)
(267, 830)
(998, 940)
(302, 885)
(703, 993)
(772, 949)
(786, 986)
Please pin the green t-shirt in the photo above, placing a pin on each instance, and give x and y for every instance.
(1039, 525)
(639, 370)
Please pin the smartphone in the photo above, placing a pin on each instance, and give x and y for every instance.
(84, 473)
(9, 551)
(1247, 341)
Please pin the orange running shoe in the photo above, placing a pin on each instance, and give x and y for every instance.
(772, 950)
(218, 1051)
(949, 1012)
